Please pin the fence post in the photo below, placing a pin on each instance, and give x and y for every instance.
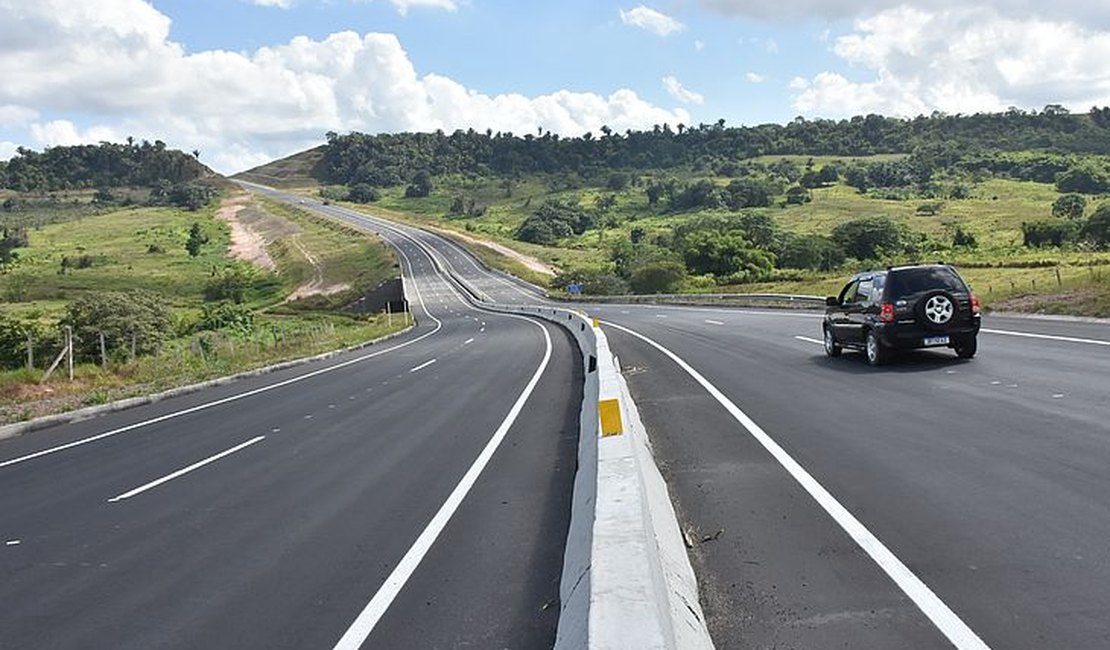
(103, 353)
(69, 350)
(133, 341)
(1059, 282)
(30, 352)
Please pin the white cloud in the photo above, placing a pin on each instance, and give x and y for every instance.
(403, 6)
(283, 4)
(675, 89)
(772, 46)
(1088, 11)
(240, 109)
(699, 45)
(755, 78)
(961, 61)
(7, 149)
(651, 20)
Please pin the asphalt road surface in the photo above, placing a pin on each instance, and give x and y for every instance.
(986, 479)
(411, 494)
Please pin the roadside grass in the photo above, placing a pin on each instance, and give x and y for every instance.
(196, 358)
(137, 248)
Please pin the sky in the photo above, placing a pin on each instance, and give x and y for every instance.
(248, 81)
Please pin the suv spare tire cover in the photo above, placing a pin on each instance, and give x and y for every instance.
(936, 309)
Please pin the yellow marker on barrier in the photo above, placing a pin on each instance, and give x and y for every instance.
(610, 411)
(596, 323)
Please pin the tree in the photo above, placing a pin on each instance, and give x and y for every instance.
(1084, 178)
(658, 277)
(724, 255)
(197, 238)
(798, 195)
(421, 185)
(363, 193)
(810, 252)
(869, 237)
(1069, 206)
(1097, 228)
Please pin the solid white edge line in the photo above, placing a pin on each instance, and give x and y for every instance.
(809, 340)
(185, 470)
(423, 365)
(1049, 337)
(364, 624)
(949, 624)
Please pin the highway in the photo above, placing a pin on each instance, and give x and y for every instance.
(412, 494)
(930, 503)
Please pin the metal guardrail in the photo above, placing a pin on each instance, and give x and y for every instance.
(707, 299)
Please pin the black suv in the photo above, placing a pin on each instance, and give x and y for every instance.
(902, 308)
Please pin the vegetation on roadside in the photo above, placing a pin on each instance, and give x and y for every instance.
(153, 298)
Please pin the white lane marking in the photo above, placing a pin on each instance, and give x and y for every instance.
(661, 316)
(185, 470)
(468, 341)
(13, 542)
(364, 624)
(424, 365)
(714, 322)
(926, 600)
(1049, 337)
(809, 340)
(249, 393)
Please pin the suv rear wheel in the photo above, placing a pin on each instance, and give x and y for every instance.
(876, 353)
(832, 348)
(966, 347)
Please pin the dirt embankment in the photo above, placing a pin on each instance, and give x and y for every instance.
(247, 243)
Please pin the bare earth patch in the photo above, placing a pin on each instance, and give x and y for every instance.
(531, 263)
(1079, 302)
(247, 244)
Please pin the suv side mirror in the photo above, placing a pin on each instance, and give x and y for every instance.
(832, 301)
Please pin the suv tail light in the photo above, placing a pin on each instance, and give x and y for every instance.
(887, 313)
(975, 306)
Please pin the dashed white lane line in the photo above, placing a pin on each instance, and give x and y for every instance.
(714, 322)
(13, 542)
(181, 472)
(809, 340)
(423, 365)
(949, 624)
(1047, 337)
(468, 341)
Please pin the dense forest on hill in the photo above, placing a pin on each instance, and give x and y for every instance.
(106, 165)
(940, 140)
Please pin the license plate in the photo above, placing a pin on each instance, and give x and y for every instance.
(936, 340)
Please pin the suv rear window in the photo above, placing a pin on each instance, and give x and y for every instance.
(910, 281)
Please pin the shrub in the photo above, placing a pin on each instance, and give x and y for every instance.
(119, 316)
(226, 315)
(1048, 232)
(363, 193)
(231, 284)
(810, 252)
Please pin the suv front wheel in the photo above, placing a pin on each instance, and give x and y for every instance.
(876, 353)
(832, 348)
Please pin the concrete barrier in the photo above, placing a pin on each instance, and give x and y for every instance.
(627, 581)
